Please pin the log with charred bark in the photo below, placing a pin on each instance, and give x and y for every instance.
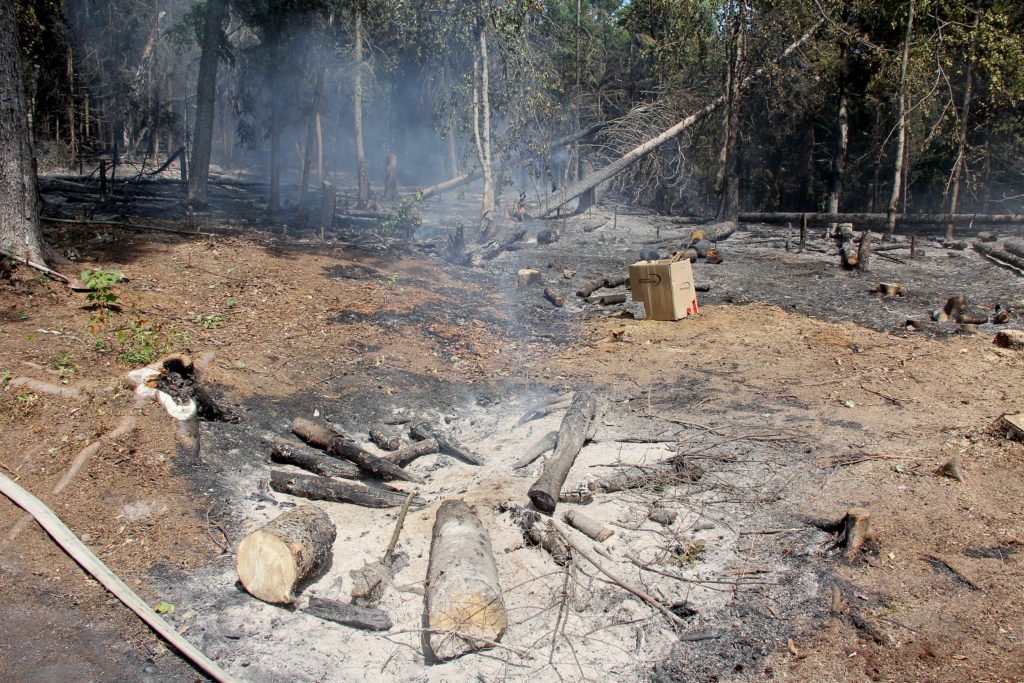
(289, 452)
(1000, 257)
(404, 456)
(864, 251)
(273, 560)
(320, 436)
(322, 488)
(465, 609)
(554, 297)
(365, 618)
(536, 532)
(571, 436)
(447, 444)
(503, 246)
(385, 437)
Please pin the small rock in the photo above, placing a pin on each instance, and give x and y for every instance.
(663, 516)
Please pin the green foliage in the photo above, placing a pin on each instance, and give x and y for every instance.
(101, 297)
(140, 343)
(211, 321)
(406, 218)
(63, 364)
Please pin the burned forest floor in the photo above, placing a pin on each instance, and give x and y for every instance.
(796, 394)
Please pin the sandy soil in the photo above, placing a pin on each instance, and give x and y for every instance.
(795, 408)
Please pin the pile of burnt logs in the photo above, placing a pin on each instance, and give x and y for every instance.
(958, 315)
(331, 456)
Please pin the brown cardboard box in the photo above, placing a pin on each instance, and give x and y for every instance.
(665, 287)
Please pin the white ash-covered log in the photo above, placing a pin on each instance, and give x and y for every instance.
(465, 608)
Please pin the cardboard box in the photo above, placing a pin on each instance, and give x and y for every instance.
(665, 287)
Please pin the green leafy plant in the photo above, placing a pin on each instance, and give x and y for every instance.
(5, 379)
(140, 343)
(232, 302)
(63, 364)
(405, 218)
(22, 314)
(100, 296)
(210, 322)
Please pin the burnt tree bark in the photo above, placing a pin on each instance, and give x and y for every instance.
(311, 141)
(322, 488)
(571, 435)
(206, 95)
(482, 120)
(19, 202)
(357, 106)
(901, 125)
(727, 185)
(965, 112)
(288, 452)
(274, 32)
(835, 184)
(321, 437)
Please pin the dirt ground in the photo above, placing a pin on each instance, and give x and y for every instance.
(796, 391)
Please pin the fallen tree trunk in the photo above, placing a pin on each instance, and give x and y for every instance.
(366, 618)
(447, 444)
(385, 437)
(496, 251)
(441, 188)
(998, 255)
(880, 218)
(278, 556)
(319, 436)
(404, 456)
(288, 452)
(539, 448)
(321, 488)
(571, 435)
(554, 297)
(592, 180)
(537, 533)
(465, 610)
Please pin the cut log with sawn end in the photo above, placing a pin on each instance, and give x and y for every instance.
(465, 609)
(273, 560)
(571, 436)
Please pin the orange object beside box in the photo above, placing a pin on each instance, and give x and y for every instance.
(665, 287)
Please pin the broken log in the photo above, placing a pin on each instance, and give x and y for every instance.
(328, 206)
(289, 452)
(278, 556)
(441, 188)
(1009, 339)
(526, 277)
(612, 299)
(366, 618)
(537, 533)
(539, 448)
(446, 444)
(580, 495)
(554, 297)
(465, 610)
(404, 456)
(592, 180)
(662, 516)
(589, 288)
(955, 304)
(571, 435)
(321, 488)
(497, 250)
(1000, 257)
(856, 530)
(588, 525)
(320, 436)
(889, 289)
(547, 236)
(385, 438)
(864, 251)
(577, 135)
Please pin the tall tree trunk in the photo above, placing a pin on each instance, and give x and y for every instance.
(482, 121)
(319, 147)
(206, 95)
(19, 212)
(728, 207)
(274, 205)
(307, 158)
(901, 125)
(835, 188)
(453, 154)
(69, 101)
(357, 105)
(965, 112)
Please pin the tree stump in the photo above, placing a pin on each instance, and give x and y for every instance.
(856, 530)
(465, 610)
(275, 558)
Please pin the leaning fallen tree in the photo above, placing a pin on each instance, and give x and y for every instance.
(880, 218)
(622, 163)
